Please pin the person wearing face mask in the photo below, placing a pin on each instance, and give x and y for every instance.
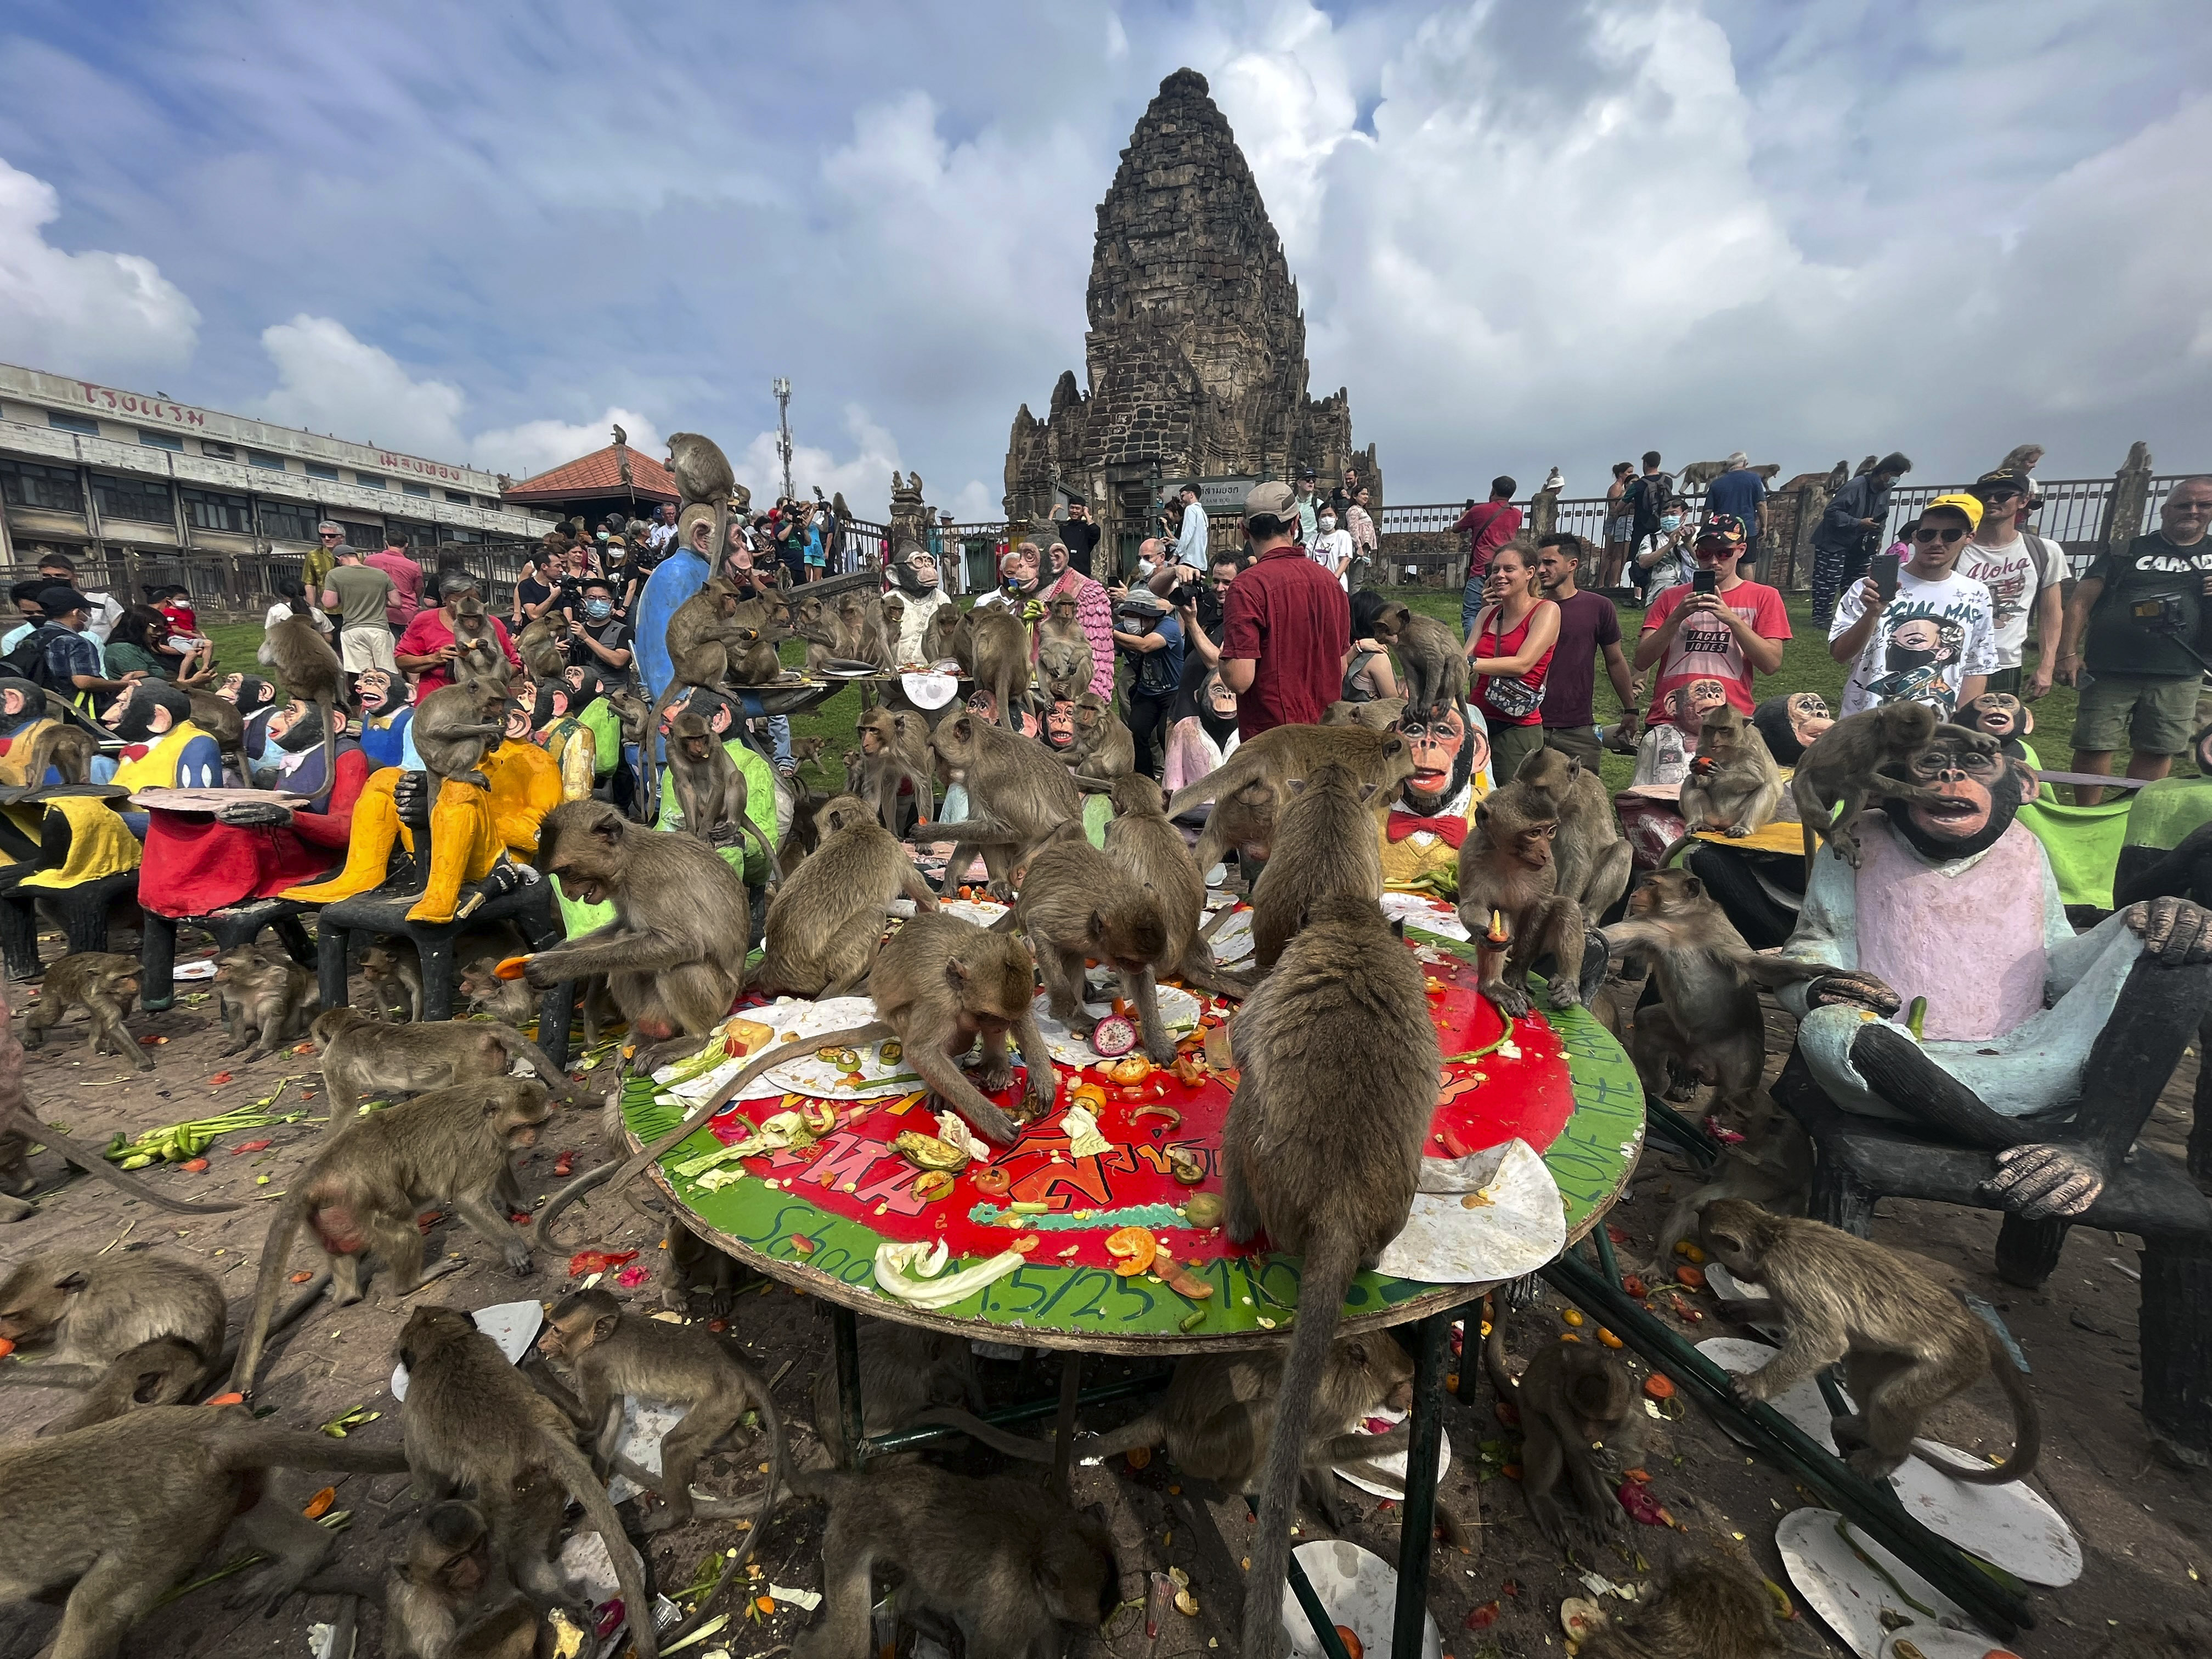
(1665, 559)
(1331, 547)
(601, 642)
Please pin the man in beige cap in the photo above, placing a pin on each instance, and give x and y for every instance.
(1286, 625)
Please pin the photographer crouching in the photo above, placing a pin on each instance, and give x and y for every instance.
(2141, 609)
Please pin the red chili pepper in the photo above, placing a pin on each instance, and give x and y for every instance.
(219, 1079)
(252, 1147)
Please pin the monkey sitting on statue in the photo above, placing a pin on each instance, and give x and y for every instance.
(2044, 1048)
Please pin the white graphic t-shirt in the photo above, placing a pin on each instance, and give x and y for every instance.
(2015, 580)
(1930, 638)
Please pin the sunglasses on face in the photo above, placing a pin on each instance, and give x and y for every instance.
(330, 535)
(1930, 537)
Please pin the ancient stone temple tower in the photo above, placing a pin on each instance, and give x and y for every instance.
(1196, 352)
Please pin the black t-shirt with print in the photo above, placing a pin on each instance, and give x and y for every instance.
(615, 636)
(2148, 567)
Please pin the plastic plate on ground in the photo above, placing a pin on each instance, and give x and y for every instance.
(513, 1325)
(1859, 1589)
(1392, 1462)
(1357, 1588)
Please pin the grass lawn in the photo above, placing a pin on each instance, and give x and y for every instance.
(1806, 666)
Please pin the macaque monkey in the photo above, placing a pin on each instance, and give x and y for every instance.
(447, 1595)
(303, 659)
(700, 471)
(1862, 758)
(1906, 1343)
(1017, 794)
(939, 635)
(1325, 847)
(907, 1374)
(1102, 748)
(632, 712)
(363, 1189)
(812, 620)
(674, 955)
(1376, 713)
(1012, 1565)
(68, 750)
(394, 972)
(999, 658)
(457, 725)
(363, 1059)
(1065, 663)
(1343, 1017)
(939, 984)
(706, 637)
(1506, 866)
(826, 921)
(506, 1000)
(20, 1130)
(1218, 1416)
(265, 999)
(710, 790)
(470, 1419)
(1242, 822)
(543, 645)
(1140, 839)
(612, 1354)
(1273, 759)
(894, 749)
(104, 984)
(1733, 785)
(478, 660)
(1771, 1167)
(219, 718)
(1078, 905)
(142, 1329)
(1592, 856)
(1705, 1608)
(109, 1518)
(1571, 1397)
(1435, 661)
(1707, 1020)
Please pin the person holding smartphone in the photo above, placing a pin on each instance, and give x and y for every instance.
(1715, 627)
(1919, 632)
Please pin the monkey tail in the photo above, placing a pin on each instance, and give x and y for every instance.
(1013, 1445)
(555, 1079)
(647, 760)
(242, 1444)
(1684, 839)
(620, 1174)
(1331, 1261)
(93, 1165)
(2026, 1425)
(1493, 1349)
(275, 1256)
(584, 1486)
(326, 705)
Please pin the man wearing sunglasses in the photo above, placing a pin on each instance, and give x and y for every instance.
(1934, 640)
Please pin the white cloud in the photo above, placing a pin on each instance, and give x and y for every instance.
(110, 315)
(864, 479)
(329, 381)
(521, 452)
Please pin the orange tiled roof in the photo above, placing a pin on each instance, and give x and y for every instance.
(598, 474)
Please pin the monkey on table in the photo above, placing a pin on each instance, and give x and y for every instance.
(939, 984)
(471, 1419)
(826, 921)
(1506, 869)
(1343, 1017)
(1907, 1343)
(674, 955)
(364, 1187)
(1592, 856)
(1017, 794)
(185, 1476)
(613, 1355)
(1012, 1566)
(1325, 845)
(1078, 906)
(2044, 1048)
(104, 984)
(1257, 777)
(894, 750)
(1140, 839)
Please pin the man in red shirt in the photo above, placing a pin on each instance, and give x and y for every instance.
(1488, 527)
(427, 647)
(406, 597)
(1286, 626)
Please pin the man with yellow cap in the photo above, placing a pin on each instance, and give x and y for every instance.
(1933, 639)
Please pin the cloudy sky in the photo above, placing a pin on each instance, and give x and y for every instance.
(1526, 233)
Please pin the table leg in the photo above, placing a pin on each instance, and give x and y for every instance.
(1063, 1432)
(845, 1344)
(1417, 1533)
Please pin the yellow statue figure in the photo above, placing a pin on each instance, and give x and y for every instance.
(470, 829)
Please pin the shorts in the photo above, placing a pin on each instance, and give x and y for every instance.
(1616, 530)
(361, 649)
(2132, 711)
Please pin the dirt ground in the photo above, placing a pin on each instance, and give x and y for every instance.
(2146, 1530)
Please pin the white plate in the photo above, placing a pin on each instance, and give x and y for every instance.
(1393, 1461)
(513, 1325)
(1179, 1012)
(1359, 1589)
(1850, 1596)
(1233, 943)
(191, 971)
(1431, 914)
(1445, 1242)
(2012, 1527)
(817, 1080)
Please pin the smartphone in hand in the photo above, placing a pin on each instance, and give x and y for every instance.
(1706, 582)
(1884, 570)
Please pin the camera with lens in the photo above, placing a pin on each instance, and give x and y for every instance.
(2161, 613)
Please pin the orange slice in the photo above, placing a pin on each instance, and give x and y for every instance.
(1132, 1249)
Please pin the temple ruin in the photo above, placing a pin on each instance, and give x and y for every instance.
(1196, 351)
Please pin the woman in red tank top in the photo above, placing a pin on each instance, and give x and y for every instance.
(1510, 650)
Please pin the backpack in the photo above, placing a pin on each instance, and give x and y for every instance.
(1650, 497)
(27, 660)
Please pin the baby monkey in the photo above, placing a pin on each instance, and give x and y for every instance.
(266, 1000)
(1571, 1398)
(447, 1596)
(104, 984)
(612, 1354)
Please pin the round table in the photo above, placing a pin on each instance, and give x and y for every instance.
(813, 1217)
